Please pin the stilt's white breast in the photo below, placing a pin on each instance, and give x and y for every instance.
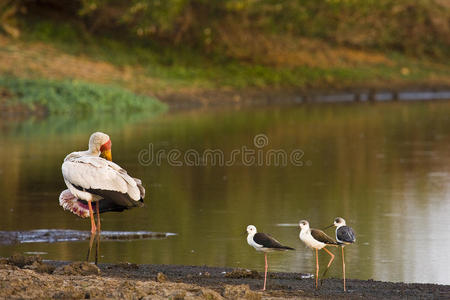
(307, 238)
(252, 243)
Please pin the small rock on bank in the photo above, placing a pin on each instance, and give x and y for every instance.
(33, 262)
(78, 268)
(160, 277)
(240, 292)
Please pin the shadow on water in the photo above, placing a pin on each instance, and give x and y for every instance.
(96, 238)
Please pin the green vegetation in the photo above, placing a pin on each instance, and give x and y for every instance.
(415, 27)
(189, 46)
(74, 97)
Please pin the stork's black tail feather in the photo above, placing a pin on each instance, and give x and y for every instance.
(112, 201)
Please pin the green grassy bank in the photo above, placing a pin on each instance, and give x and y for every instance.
(71, 97)
(164, 48)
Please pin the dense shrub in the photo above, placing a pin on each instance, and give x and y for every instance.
(75, 97)
(420, 27)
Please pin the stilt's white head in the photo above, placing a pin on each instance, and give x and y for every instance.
(251, 229)
(304, 225)
(338, 222)
(100, 144)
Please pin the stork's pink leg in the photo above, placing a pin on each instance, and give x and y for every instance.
(91, 213)
(97, 249)
(265, 272)
(97, 206)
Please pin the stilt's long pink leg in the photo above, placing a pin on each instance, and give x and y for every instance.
(317, 267)
(91, 213)
(343, 268)
(332, 257)
(265, 272)
(329, 263)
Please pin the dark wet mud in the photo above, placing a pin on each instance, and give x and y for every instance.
(125, 280)
(279, 284)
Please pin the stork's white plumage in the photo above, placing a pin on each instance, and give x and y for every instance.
(95, 173)
(93, 180)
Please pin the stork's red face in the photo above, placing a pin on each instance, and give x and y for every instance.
(105, 151)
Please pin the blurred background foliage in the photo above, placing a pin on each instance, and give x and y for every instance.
(188, 47)
(246, 29)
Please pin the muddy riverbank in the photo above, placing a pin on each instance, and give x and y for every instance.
(30, 277)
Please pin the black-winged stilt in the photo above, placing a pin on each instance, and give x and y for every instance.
(265, 243)
(316, 239)
(344, 236)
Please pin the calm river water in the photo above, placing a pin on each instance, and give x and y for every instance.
(384, 167)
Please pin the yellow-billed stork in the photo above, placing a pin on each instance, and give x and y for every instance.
(95, 182)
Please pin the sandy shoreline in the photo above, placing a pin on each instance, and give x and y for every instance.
(25, 277)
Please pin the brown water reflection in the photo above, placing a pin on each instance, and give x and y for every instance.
(385, 168)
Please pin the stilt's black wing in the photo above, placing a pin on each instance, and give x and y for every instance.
(345, 234)
(269, 242)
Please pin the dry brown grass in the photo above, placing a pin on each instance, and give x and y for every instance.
(289, 51)
(39, 60)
